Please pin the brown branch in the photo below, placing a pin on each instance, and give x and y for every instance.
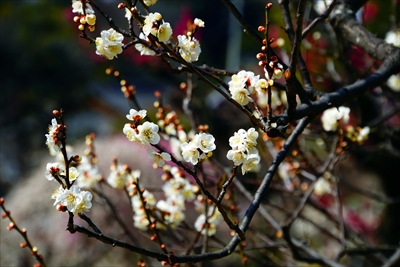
(23, 232)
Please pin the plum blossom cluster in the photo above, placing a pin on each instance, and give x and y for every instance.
(162, 213)
(71, 199)
(86, 16)
(53, 141)
(244, 152)
(145, 134)
(189, 46)
(242, 85)
(54, 170)
(207, 225)
(155, 25)
(200, 147)
(78, 7)
(331, 118)
(109, 44)
(177, 190)
(334, 117)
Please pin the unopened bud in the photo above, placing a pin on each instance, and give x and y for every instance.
(121, 5)
(287, 74)
(81, 27)
(260, 56)
(77, 158)
(23, 244)
(82, 20)
(269, 6)
(76, 18)
(183, 86)
(34, 250)
(10, 226)
(61, 208)
(261, 29)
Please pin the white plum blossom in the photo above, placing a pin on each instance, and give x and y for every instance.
(251, 163)
(277, 72)
(190, 152)
(154, 25)
(149, 2)
(135, 115)
(129, 132)
(262, 86)
(199, 148)
(128, 14)
(73, 173)
(53, 169)
(149, 21)
(237, 156)
(322, 186)
(242, 85)
(77, 7)
(75, 200)
(148, 134)
(244, 151)
(144, 134)
(394, 81)
(393, 37)
(180, 187)
(140, 220)
(172, 211)
(212, 222)
(199, 23)
(144, 50)
(357, 135)
(205, 142)
(321, 6)
(89, 174)
(164, 32)
(159, 158)
(109, 44)
(91, 19)
(56, 194)
(52, 141)
(118, 176)
(189, 48)
(331, 117)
